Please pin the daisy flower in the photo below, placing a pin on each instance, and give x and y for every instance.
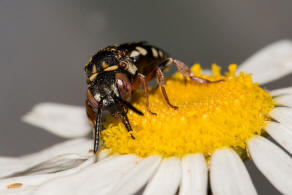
(186, 151)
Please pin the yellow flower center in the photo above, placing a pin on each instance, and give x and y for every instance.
(209, 116)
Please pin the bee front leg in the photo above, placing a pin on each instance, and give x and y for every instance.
(97, 130)
(125, 120)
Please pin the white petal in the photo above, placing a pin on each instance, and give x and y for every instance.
(270, 63)
(28, 183)
(75, 146)
(56, 164)
(282, 115)
(63, 120)
(285, 100)
(228, 174)
(194, 175)
(282, 91)
(282, 134)
(137, 177)
(207, 72)
(10, 166)
(273, 162)
(99, 178)
(167, 178)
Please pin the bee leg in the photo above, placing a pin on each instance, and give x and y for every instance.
(91, 114)
(143, 83)
(160, 81)
(185, 71)
(97, 130)
(125, 120)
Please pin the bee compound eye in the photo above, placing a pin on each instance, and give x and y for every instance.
(123, 85)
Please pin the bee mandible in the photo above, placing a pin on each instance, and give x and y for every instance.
(115, 71)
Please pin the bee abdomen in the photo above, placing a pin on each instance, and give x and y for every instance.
(139, 50)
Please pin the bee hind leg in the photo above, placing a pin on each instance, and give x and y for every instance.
(185, 71)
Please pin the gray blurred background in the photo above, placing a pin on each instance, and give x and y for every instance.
(45, 44)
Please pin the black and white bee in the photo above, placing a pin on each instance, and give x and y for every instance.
(115, 71)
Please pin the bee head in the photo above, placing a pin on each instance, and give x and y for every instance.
(110, 92)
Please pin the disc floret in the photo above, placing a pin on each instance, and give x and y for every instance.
(210, 116)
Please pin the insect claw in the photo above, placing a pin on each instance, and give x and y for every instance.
(153, 113)
(150, 112)
(174, 107)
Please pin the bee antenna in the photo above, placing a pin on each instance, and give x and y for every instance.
(130, 106)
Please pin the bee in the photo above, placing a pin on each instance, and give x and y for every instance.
(115, 71)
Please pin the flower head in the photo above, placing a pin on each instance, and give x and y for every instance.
(214, 123)
(212, 116)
